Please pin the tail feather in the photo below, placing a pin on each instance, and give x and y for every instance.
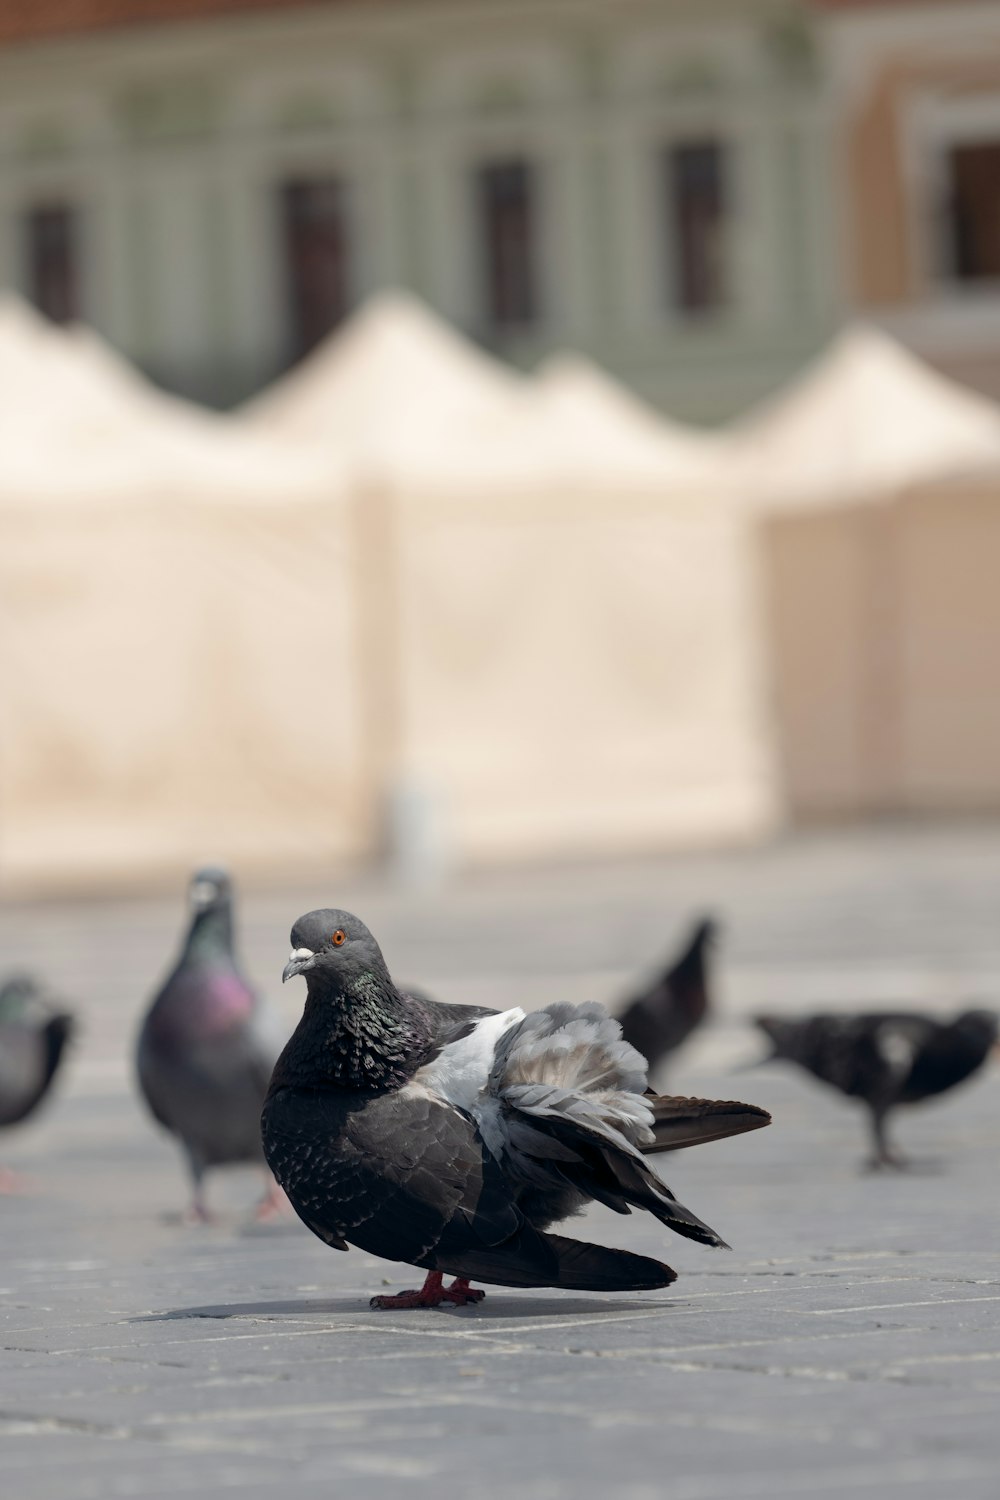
(689, 962)
(639, 1186)
(58, 1031)
(594, 1268)
(678, 1122)
(551, 1260)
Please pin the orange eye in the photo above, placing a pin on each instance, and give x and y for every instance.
(339, 938)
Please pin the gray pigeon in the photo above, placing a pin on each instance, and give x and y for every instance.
(451, 1137)
(207, 1046)
(884, 1058)
(33, 1039)
(663, 1016)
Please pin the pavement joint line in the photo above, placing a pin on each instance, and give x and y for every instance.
(634, 1351)
(827, 1312)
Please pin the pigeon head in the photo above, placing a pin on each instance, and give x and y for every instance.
(18, 993)
(979, 1028)
(210, 889)
(334, 944)
(784, 1035)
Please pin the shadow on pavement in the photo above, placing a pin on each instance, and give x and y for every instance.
(497, 1306)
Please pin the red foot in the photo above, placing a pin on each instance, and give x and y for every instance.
(197, 1213)
(14, 1184)
(432, 1294)
(273, 1205)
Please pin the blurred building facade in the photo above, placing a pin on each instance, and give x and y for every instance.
(213, 185)
(916, 96)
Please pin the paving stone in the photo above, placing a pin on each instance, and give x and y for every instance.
(848, 1346)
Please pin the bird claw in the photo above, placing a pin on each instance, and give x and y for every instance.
(273, 1205)
(431, 1294)
(886, 1162)
(196, 1215)
(14, 1184)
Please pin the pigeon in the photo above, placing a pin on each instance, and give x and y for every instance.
(884, 1058)
(663, 1016)
(450, 1137)
(207, 1046)
(33, 1037)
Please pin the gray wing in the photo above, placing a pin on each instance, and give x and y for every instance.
(30, 1054)
(572, 1119)
(22, 1070)
(451, 1022)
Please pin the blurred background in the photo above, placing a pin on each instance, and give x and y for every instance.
(437, 436)
(527, 471)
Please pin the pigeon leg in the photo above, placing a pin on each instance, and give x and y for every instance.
(198, 1213)
(13, 1183)
(273, 1205)
(884, 1155)
(432, 1294)
(461, 1293)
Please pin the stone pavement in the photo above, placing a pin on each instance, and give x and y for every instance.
(848, 1346)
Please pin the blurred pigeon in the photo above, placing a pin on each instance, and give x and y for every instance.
(452, 1137)
(884, 1058)
(663, 1016)
(207, 1046)
(33, 1037)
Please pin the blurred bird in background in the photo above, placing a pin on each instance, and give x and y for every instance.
(884, 1059)
(207, 1047)
(660, 1019)
(33, 1037)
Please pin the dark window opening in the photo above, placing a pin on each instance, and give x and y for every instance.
(316, 249)
(505, 192)
(697, 223)
(975, 211)
(52, 279)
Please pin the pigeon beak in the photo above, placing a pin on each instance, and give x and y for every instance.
(299, 960)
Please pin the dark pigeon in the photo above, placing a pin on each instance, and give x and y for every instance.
(885, 1059)
(664, 1015)
(33, 1037)
(207, 1046)
(452, 1137)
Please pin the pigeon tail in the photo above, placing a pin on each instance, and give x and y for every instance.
(688, 964)
(678, 1123)
(571, 1265)
(58, 1031)
(595, 1268)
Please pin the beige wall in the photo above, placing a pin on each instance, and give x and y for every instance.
(582, 673)
(884, 633)
(267, 684)
(180, 682)
(949, 547)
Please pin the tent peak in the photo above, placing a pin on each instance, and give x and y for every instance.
(866, 416)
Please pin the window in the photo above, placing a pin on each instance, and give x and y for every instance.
(51, 255)
(696, 222)
(316, 248)
(505, 193)
(974, 211)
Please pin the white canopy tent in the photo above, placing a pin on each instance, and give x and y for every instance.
(867, 418)
(559, 625)
(164, 578)
(592, 426)
(883, 625)
(395, 389)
